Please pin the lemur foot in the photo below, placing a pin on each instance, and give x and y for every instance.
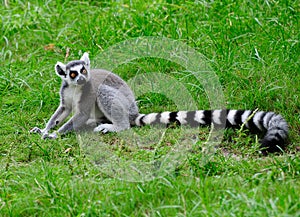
(49, 136)
(105, 128)
(102, 128)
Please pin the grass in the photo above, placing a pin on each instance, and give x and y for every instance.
(252, 46)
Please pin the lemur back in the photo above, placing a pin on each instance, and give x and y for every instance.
(101, 100)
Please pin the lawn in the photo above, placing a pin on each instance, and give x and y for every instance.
(249, 54)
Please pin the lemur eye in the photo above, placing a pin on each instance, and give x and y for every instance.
(73, 75)
(84, 71)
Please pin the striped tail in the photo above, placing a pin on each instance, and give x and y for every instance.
(273, 125)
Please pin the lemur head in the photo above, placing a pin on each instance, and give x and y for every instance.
(76, 72)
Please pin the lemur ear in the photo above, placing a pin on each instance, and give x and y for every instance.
(86, 59)
(60, 69)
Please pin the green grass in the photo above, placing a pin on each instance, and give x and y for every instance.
(253, 46)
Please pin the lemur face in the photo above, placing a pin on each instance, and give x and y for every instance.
(75, 72)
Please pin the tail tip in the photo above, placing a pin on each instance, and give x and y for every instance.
(272, 145)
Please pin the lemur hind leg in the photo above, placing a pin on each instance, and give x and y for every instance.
(116, 107)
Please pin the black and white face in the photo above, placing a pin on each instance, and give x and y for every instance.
(75, 72)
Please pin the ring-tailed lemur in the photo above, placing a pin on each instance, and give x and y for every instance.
(101, 99)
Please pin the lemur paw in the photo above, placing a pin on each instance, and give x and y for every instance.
(53, 136)
(49, 136)
(36, 130)
(104, 128)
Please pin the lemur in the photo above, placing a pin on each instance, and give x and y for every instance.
(102, 100)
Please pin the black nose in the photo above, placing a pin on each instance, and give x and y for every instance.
(81, 81)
